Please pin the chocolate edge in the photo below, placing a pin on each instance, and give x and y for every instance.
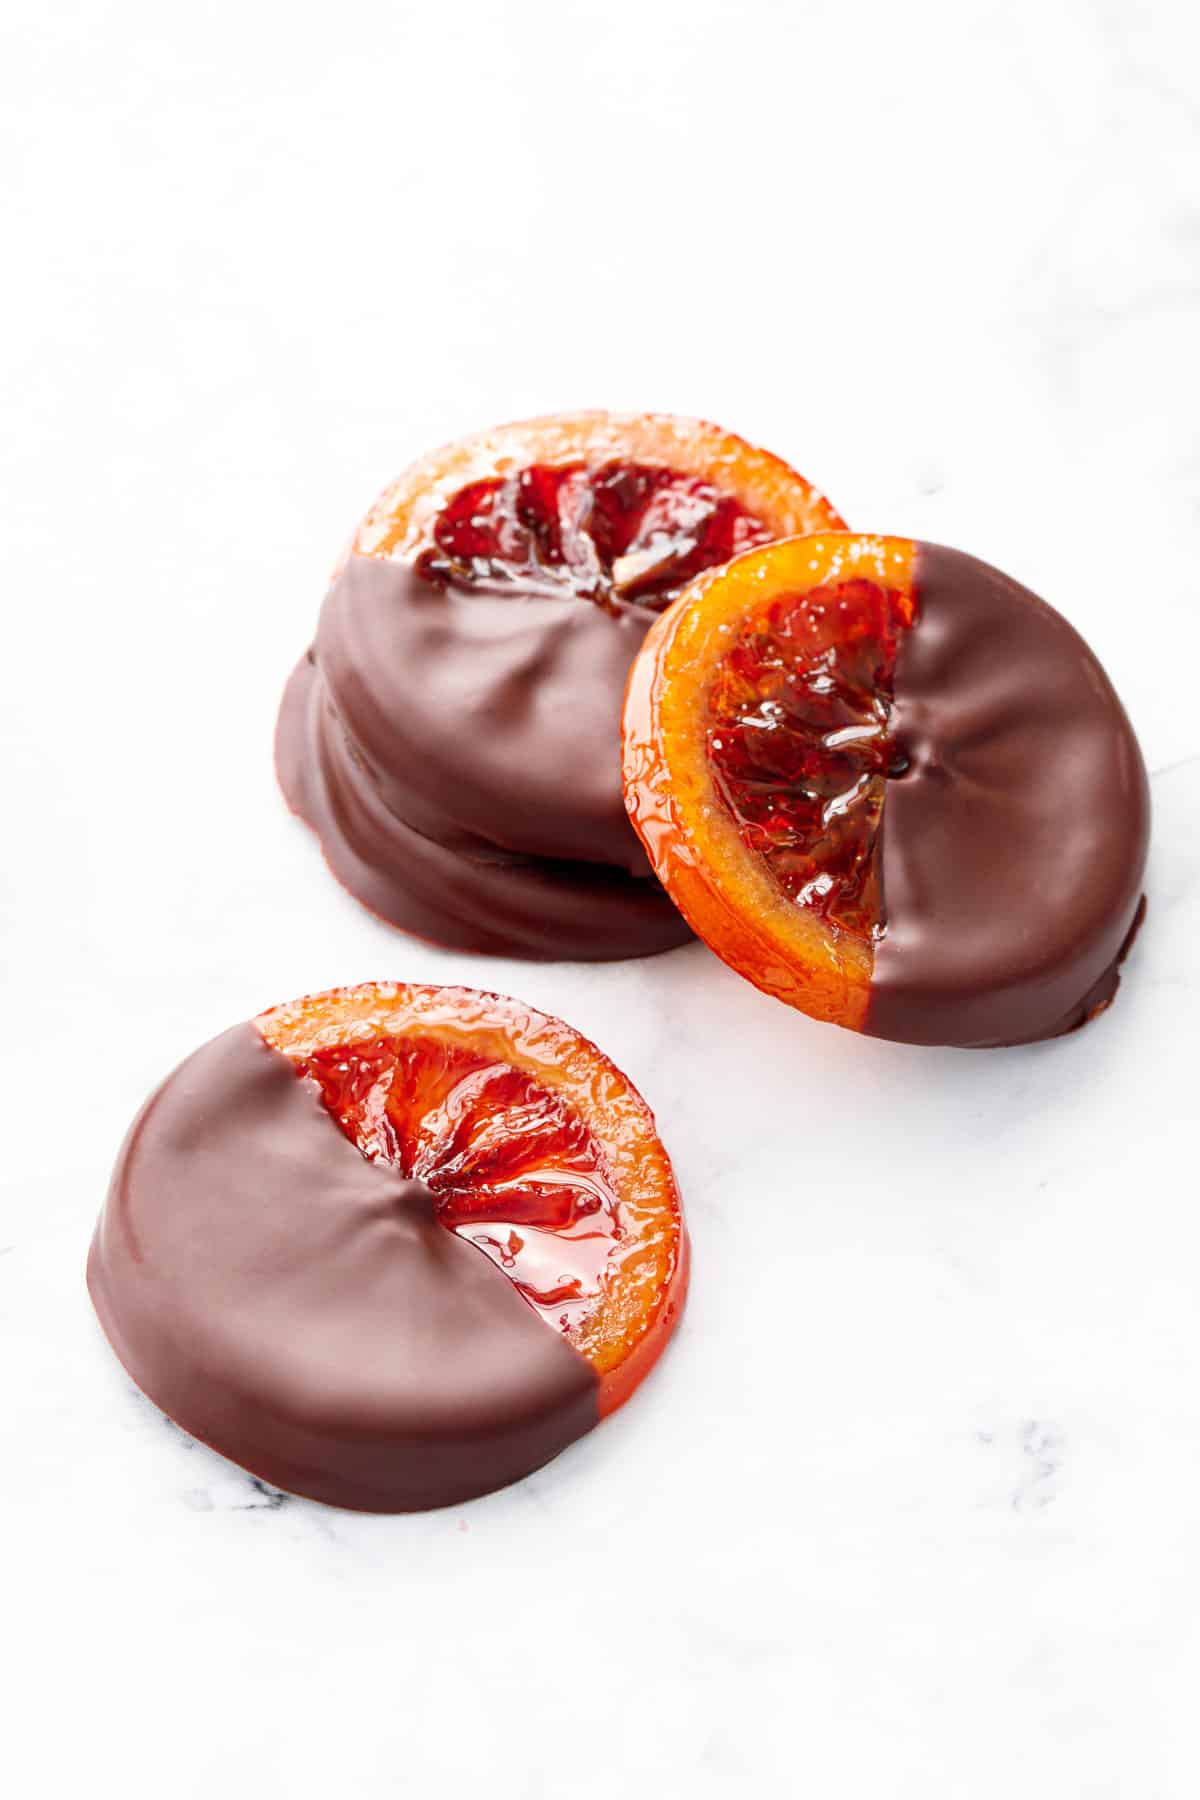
(1029, 1005)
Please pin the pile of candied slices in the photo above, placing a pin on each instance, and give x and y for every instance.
(580, 688)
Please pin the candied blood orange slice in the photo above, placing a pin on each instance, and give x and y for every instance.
(536, 1148)
(757, 751)
(893, 787)
(452, 735)
(611, 507)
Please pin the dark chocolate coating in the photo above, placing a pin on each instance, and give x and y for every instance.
(301, 1310)
(458, 754)
(1013, 847)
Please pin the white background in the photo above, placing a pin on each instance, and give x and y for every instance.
(912, 1509)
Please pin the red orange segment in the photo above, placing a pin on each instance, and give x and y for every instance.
(664, 489)
(513, 1168)
(756, 752)
(620, 531)
(798, 742)
(537, 1149)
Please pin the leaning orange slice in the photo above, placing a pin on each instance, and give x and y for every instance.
(892, 787)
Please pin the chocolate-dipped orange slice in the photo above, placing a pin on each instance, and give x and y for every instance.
(892, 787)
(453, 735)
(391, 1247)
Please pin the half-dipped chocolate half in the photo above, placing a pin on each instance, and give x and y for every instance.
(453, 735)
(892, 787)
(391, 1247)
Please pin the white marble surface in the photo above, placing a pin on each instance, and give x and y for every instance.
(912, 1508)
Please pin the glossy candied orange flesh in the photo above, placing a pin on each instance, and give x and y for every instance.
(536, 1148)
(614, 531)
(756, 752)
(711, 472)
(798, 743)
